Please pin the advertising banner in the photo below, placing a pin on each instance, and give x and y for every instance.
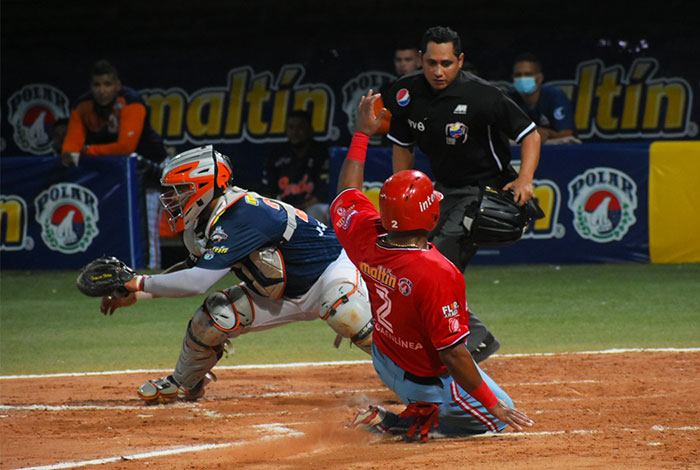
(595, 199)
(52, 217)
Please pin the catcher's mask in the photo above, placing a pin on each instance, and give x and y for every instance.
(408, 201)
(495, 219)
(191, 180)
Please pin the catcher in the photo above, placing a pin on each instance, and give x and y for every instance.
(291, 265)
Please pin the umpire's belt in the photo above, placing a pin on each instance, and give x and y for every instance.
(422, 380)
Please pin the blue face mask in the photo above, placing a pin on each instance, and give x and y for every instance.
(525, 85)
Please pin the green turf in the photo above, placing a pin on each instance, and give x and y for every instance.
(548, 308)
(47, 326)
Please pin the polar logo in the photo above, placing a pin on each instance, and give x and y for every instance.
(603, 201)
(32, 111)
(68, 216)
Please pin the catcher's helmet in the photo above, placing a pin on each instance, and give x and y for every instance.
(408, 201)
(192, 180)
(495, 219)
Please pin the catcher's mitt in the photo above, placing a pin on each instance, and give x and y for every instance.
(105, 276)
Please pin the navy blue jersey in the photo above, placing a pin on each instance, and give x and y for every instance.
(553, 109)
(254, 222)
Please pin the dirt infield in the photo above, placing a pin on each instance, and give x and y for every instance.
(630, 410)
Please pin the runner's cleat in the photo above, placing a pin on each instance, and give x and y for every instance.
(368, 418)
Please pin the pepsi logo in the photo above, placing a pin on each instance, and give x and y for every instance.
(403, 97)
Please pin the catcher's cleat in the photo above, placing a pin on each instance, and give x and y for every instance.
(196, 392)
(370, 418)
(166, 389)
(163, 388)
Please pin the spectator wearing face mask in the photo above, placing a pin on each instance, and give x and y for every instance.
(547, 105)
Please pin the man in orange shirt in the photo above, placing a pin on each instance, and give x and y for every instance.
(110, 119)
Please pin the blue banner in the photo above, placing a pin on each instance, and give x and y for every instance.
(595, 197)
(52, 217)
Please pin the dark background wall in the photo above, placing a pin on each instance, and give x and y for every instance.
(193, 45)
(492, 31)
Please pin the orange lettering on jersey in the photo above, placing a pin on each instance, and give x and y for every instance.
(379, 274)
(270, 203)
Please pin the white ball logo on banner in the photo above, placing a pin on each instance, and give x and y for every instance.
(32, 111)
(68, 216)
(603, 201)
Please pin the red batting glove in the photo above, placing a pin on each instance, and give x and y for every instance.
(425, 417)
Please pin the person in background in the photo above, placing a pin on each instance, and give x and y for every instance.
(547, 105)
(462, 124)
(296, 172)
(112, 119)
(406, 60)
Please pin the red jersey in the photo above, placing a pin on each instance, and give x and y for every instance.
(418, 296)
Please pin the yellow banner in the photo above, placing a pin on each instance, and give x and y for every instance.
(674, 202)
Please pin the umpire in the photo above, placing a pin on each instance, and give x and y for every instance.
(462, 123)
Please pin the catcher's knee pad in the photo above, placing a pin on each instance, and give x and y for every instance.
(222, 313)
(345, 307)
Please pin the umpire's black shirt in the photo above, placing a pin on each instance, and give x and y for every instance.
(463, 129)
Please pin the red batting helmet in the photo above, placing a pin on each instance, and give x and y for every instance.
(408, 201)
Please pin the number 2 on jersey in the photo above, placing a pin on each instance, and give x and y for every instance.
(385, 308)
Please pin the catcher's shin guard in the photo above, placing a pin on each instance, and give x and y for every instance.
(220, 317)
(196, 359)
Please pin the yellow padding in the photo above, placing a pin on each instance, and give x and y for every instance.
(674, 202)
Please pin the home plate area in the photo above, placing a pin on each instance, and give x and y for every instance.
(631, 409)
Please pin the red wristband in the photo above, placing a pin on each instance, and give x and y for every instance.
(485, 395)
(142, 280)
(358, 147)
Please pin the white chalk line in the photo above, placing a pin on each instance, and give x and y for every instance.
(160, 371)
(331, 363)
(43, 407)
(164, 406)
(279, 430)
(554, 382)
